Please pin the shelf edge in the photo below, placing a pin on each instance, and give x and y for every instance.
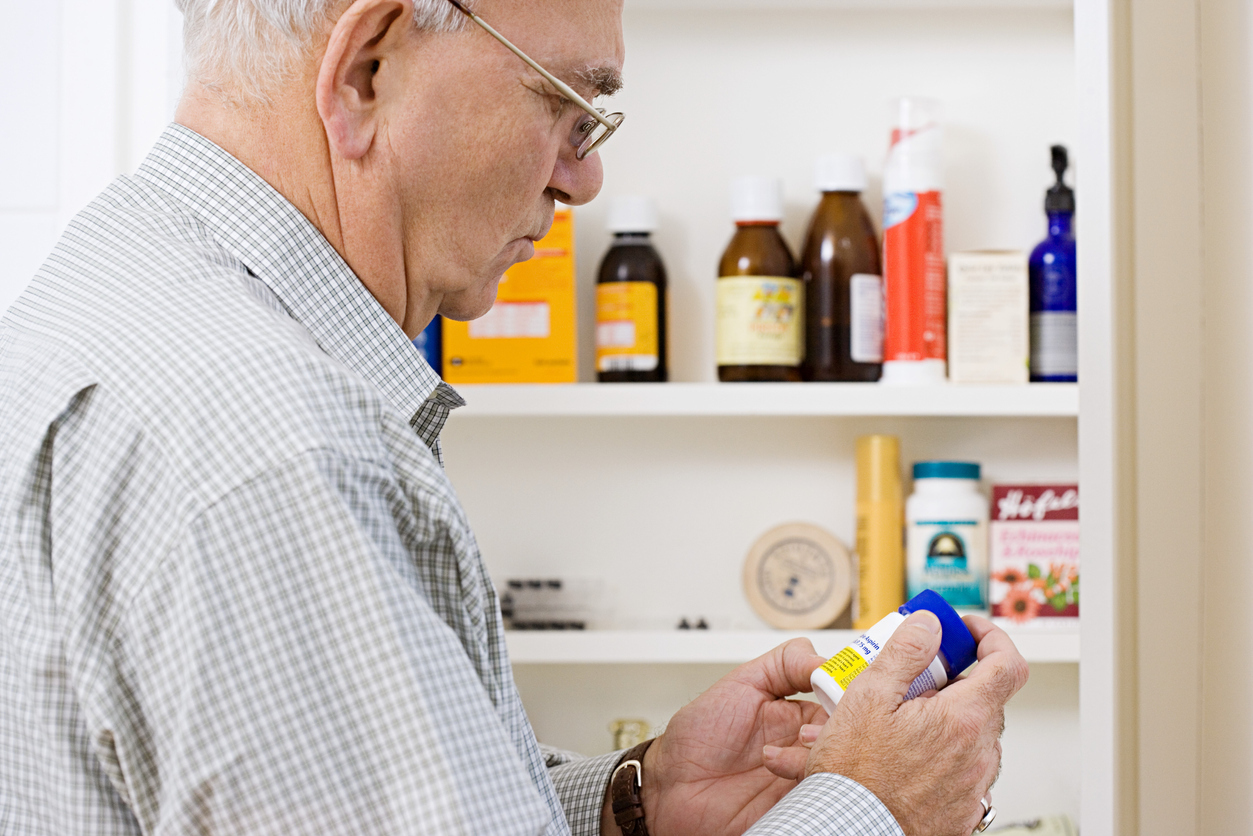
(765, 400)
(609, 647)
(842, 5)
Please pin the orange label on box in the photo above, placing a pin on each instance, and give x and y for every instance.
(529, 335)
(626, 326)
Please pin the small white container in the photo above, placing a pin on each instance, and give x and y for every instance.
(946, 535)
(958, 651)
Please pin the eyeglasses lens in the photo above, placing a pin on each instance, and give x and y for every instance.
(590, 134)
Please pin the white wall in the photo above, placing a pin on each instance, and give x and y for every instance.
(666, 508)
(30, 49)
(88, 86)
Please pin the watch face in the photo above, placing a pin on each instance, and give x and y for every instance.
(796, 576)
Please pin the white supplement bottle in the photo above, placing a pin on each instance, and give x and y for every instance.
(946, 535)
(958, 651)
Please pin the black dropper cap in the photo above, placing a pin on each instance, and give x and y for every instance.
(1060, 198)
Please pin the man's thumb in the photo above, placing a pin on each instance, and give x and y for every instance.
(906, 654)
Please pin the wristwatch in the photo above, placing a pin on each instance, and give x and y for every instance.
(624, 791)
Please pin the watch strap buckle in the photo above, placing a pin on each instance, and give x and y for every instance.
(625, 785)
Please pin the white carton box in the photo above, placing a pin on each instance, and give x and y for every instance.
(988, 335)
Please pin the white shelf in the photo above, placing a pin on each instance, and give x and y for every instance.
(758, 399)
(828, 5)
(722, 646)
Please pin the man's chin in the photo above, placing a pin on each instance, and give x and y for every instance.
(464, 307)
(468, 305)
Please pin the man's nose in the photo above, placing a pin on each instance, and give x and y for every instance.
(574, 181)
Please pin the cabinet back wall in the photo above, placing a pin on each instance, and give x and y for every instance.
(710, 96)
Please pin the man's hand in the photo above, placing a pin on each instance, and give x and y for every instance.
(930, 759)
(706, 773)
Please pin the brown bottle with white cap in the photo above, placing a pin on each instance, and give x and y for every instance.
(631, 298)
(843, 280)
(760, 307)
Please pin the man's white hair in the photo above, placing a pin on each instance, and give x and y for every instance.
(242, 48)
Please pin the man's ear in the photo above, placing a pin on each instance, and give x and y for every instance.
(363, 42)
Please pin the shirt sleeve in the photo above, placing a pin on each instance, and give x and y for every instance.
(824, 804)
(581, 785)
(289, 670)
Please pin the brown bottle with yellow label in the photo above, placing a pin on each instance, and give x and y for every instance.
(760, 322)
(631, 298)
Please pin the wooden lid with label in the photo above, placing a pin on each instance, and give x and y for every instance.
(798, 576)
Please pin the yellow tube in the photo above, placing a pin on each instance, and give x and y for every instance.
(880, 529)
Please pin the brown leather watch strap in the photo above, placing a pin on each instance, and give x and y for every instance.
(624, 791)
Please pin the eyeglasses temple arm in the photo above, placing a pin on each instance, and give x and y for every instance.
(561, 86)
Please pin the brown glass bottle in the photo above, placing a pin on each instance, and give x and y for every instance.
(843, 336)
(757, 249)
(631, 265)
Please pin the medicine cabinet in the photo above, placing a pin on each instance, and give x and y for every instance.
(654, 493)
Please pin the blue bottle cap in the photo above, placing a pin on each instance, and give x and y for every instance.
(958, 650)
(946, 470)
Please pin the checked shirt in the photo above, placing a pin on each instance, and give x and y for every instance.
(237, 591)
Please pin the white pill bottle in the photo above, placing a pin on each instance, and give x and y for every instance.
(946, 535)
(958, 651)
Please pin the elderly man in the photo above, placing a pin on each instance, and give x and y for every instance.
(238, 593)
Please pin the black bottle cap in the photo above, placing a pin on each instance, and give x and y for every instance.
(1060, 198)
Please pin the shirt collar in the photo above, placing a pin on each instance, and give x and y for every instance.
(281, 247)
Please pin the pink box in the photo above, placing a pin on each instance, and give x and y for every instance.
(1033, 555)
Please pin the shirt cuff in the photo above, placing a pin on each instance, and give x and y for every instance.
(581, 786)
(825, 804)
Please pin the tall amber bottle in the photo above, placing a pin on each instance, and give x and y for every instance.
(760, 313)
(840, 268)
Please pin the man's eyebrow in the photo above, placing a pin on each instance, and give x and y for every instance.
(604, 80)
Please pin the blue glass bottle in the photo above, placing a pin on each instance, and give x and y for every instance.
(1054, 310)
(430, 344)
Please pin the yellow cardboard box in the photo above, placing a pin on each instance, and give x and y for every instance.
(529, 335)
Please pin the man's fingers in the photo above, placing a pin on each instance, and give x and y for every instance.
(980, 627)
(976, 818)
(983, 790)
(811, 713)
(904, 657)
(1002, 670)
(786, 762)
(783, 671)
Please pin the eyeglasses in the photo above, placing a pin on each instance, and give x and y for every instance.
(589, 134)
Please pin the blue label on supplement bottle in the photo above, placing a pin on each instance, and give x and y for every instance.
(950, 557)
(956, 594)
